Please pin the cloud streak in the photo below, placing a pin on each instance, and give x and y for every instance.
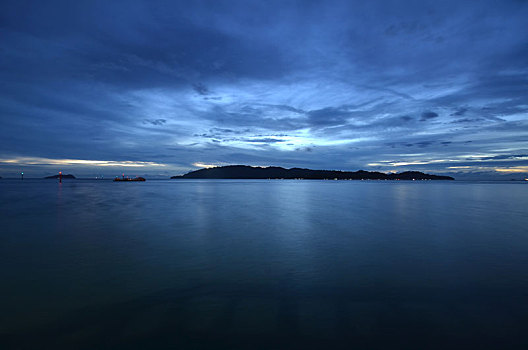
(77, 162)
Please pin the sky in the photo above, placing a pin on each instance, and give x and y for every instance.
(159, 88)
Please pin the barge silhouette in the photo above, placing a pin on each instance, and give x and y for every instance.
(124, 179)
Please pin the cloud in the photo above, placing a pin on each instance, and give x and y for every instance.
(513, 170)
(202, 165)
(428, 116)
(77, 162)
(460, 111)
(507, 156)
(305, 149)
(468, 120)
(201, 89)
(263, 140)
(155, 121)
(321, 84)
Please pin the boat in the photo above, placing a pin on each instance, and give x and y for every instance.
(137, 178)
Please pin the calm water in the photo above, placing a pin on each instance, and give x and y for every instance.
(226, 264)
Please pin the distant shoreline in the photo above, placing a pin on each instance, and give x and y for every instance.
(249, 172)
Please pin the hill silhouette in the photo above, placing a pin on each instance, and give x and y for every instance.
(68, 176)
(249, 172)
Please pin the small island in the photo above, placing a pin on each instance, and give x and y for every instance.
(67, 176)
(138, 178)
(249, 172)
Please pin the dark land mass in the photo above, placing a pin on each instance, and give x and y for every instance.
(248, 172)
(139, 178)
(68, 176)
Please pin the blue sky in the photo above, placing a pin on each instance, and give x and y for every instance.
(159, 88)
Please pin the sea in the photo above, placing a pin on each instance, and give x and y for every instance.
(263, 264)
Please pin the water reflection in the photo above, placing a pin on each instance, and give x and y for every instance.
(262, 264)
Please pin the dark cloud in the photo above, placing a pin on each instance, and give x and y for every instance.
(305, 149)
(460, 111)
(420, 144)
(468, 120)
(222, 130)
(201, 89)
(328, 116)
(507, 156)
(263, 140)
(423, 144)
(428, 116)
(155, 121)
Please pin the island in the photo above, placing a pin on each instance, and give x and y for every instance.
(137, 178)
(272, 172)
(68, 176)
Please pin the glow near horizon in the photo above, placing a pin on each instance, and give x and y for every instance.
(143, 164)
(66, 162)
